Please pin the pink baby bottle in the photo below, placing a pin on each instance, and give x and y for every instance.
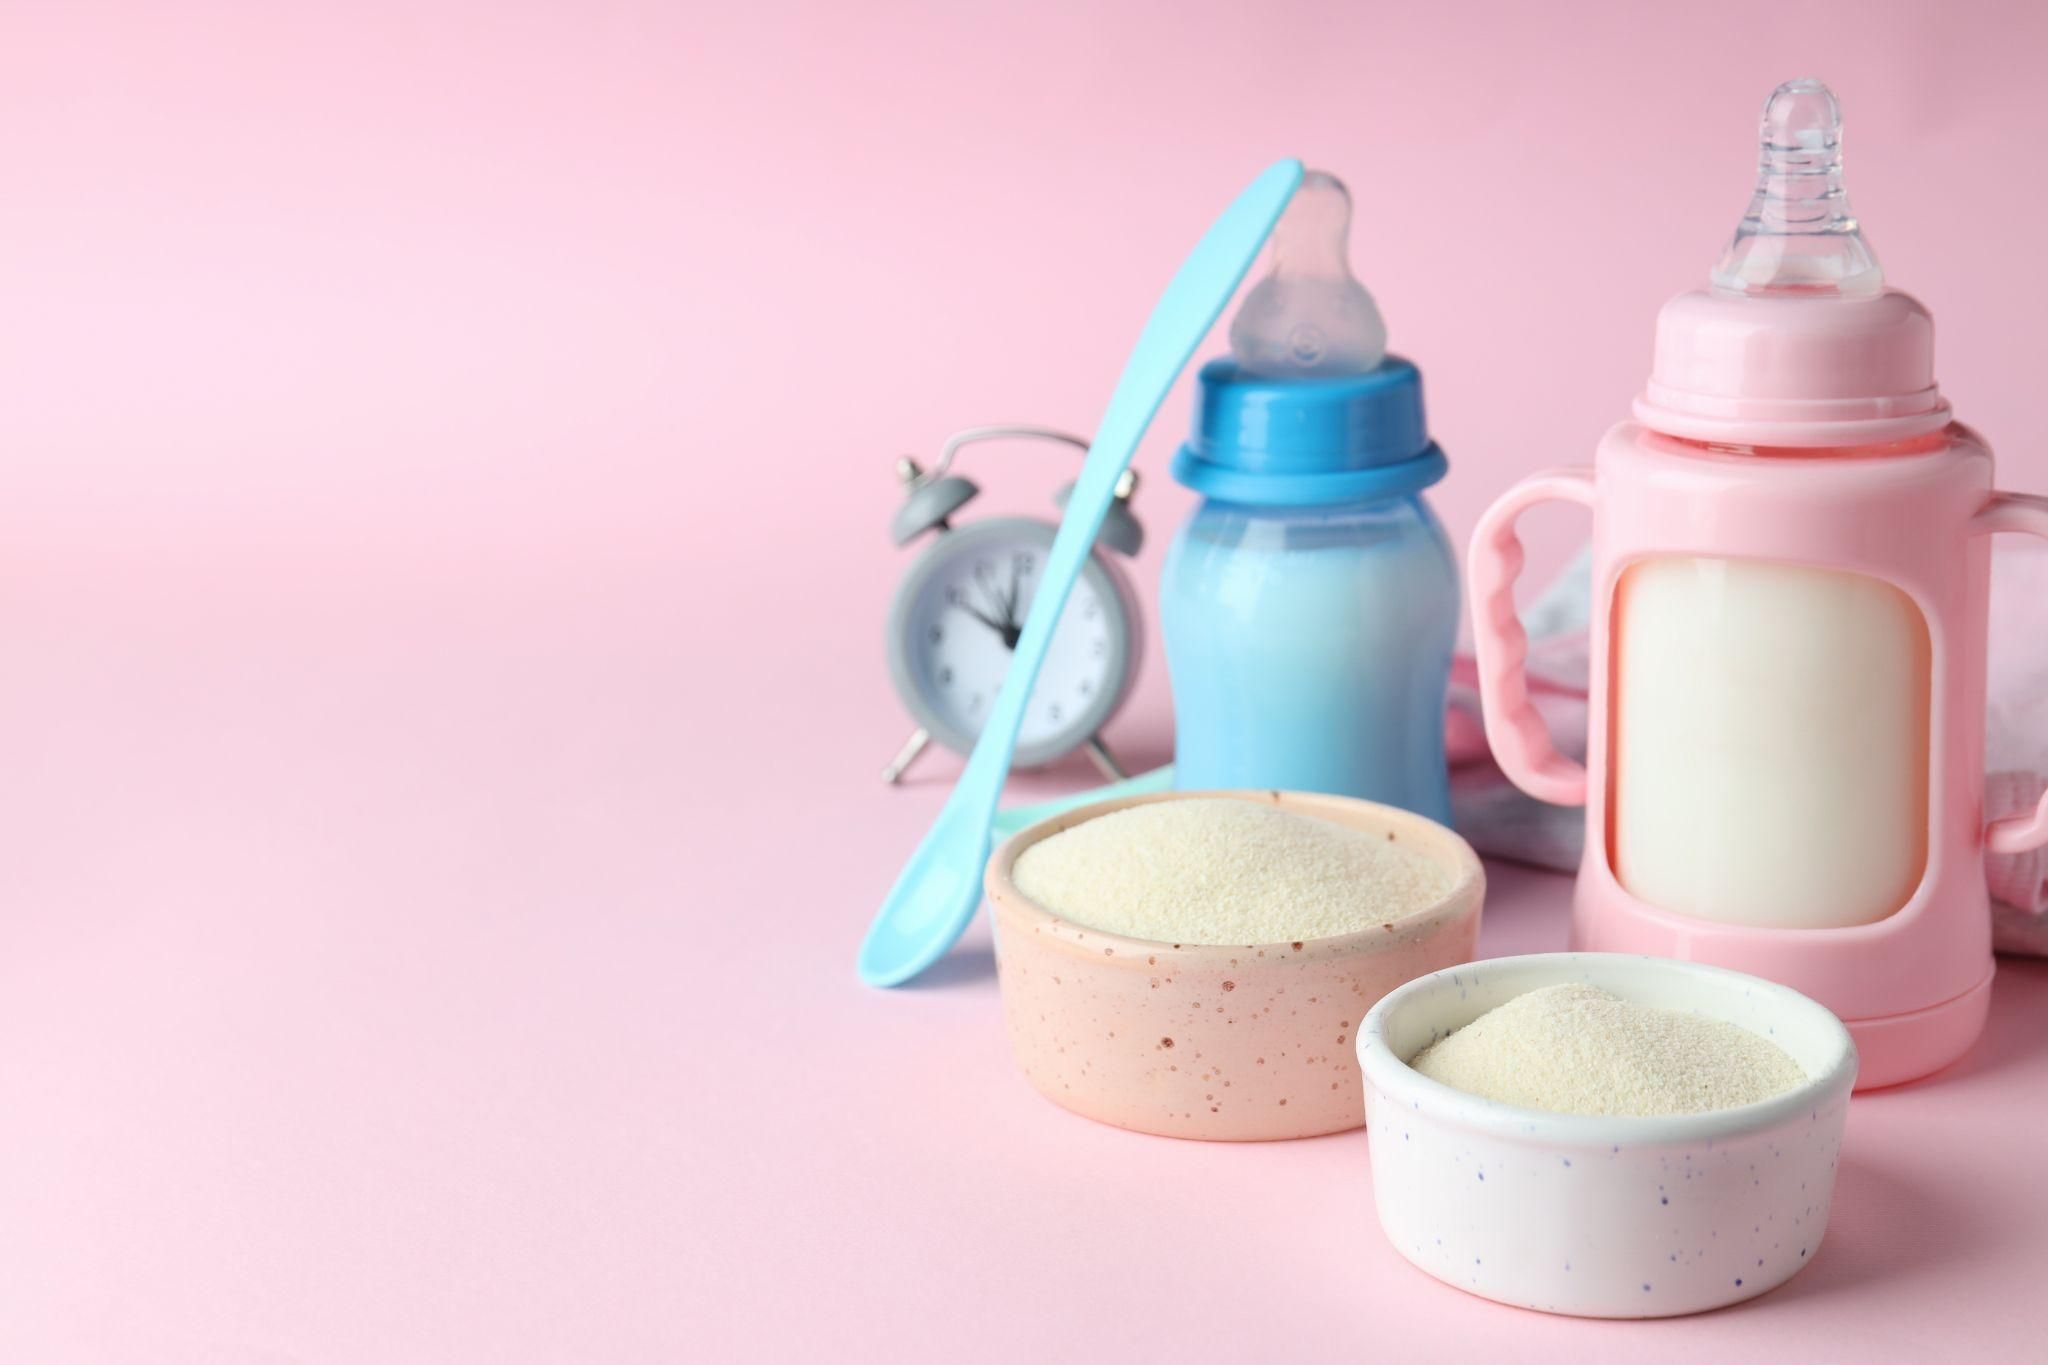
(1785, 756)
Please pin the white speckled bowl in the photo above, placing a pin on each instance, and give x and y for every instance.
(1603, 1217)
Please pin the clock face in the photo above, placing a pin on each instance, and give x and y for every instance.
(965, 610)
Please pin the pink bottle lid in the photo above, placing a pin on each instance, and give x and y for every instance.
(1797, 342)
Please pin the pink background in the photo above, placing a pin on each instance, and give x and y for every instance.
(441, 563)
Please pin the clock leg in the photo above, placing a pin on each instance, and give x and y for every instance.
(1105, 762)
(906, 755)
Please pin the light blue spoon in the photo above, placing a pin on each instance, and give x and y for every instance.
(936, 893)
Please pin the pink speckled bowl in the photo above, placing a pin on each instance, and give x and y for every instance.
(1226, 1043)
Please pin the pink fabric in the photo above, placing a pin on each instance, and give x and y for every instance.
(1502, 821)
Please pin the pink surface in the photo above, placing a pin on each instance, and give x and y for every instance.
(441, 558)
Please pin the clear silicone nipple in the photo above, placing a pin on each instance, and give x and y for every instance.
(1799, 236)
(1308, 316)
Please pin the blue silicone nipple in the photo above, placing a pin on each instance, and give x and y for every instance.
(1309, 316)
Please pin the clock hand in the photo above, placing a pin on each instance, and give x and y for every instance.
(994, 597)
(1012, 628)
(1005, 621)
(1001, 628)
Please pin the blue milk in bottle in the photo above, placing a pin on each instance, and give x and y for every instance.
(1310, 603)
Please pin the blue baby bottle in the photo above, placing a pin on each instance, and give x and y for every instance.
(1310, 602)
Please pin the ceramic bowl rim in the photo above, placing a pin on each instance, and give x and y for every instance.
(1464, 896)
(1392, 1075)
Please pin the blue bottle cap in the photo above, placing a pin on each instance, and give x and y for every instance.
(1309, 441)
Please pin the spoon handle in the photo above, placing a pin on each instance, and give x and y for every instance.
(1183, 316)
(936, 894)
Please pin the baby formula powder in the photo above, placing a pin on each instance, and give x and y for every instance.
(1221, 871)
(1576, 1049)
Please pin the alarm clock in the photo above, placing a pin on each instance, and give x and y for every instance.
(956, 616)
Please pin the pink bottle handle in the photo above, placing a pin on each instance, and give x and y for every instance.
(2016, 512)
(1521, 743)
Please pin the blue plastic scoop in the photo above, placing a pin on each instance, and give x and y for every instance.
(936, 893)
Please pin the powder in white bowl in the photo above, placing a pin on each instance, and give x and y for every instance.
(1577, 1049)
(1217, 870)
